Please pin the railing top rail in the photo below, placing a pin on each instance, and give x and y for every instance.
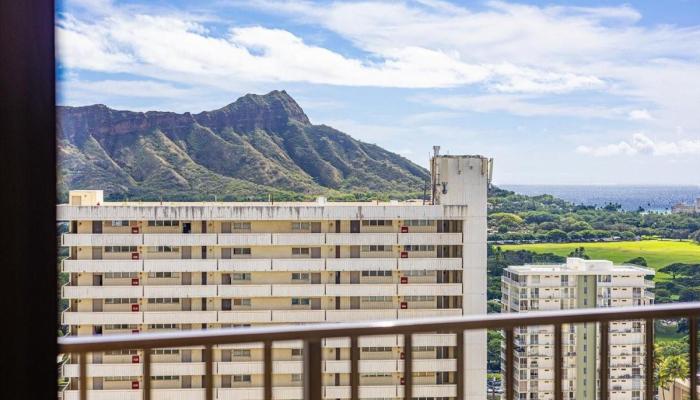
(392, 327)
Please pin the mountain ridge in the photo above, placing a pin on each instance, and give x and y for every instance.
(256, 146)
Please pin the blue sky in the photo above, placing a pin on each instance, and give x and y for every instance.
(576, 92)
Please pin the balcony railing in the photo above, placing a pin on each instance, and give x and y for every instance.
(314, 335)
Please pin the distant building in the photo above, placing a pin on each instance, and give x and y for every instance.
(679, 389)
(683, 208)
(577, 284)
(159, 267)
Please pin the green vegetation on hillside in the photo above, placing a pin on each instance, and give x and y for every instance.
(515, 218)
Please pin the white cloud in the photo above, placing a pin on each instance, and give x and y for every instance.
(182, 49)
(640, 115)
(643, 144)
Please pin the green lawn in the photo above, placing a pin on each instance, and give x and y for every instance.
(658, 253)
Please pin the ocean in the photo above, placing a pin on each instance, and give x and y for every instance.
(631, 197)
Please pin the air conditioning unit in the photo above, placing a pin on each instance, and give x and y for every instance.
(404, 305)
(135, 359)
(403, 381)
(134, 281)
(404, 279)
(134, 229)
(403, 355)
(135, 256)
(134, 307)
(404, 229)
(135, 331)
(404, 254)
(134, 384)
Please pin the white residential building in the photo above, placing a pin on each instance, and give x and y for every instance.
(143, 267)
(577, 284)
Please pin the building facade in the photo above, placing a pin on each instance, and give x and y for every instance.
(682, 208)
(153, 267)
(577, 284)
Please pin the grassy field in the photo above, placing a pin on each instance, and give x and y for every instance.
(658, 253)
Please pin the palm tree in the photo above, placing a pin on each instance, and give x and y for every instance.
(672, 368)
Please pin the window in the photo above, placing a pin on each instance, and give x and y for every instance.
(162, 326)
(419, 247)
(163, 274)
(163, 223)
(376, 273)
(300, 251)
(418, 273)
(163, 249)
(376, 222)
(297, 352)
(241, 302)
(165, 351)
(300, 276)
(376, 349)
(376, 375)
(164, 378)
(241, 352)
(120, 275)
(122, 301)
(120, 378)
(241, 251)
(419, 222)
(375, 247)
(296, 377)
(300, 301)
(376, 299)
(119, 326)
(241, 226)
(301, 226)
(419, 298)
(118, 223)
(166, 300)
(423, 348)
(121, 249)
(241, 276)
(241, 378)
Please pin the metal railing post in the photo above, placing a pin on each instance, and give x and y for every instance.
(267, 367)
(408, 366)
(354, 368)
(147, 374)
(312, 369)
(209, 372)
(693, 354)
(509, 389)
(82, 373)
(604, 360)
(649, 360)
(460, 365)
(558, 393)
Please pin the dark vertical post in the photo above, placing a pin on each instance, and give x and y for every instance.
(312, 369)
(354, 368)
(649, 360)
(509, 389)
(147, 374)
(209, 373)
(408, 367)
(558, 393)
(82, 376)
(28, 181)
(693, 354)
(267, 367)
(604, 360)
(459, 381)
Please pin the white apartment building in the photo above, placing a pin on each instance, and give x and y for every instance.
(577, 284)
(153, 267)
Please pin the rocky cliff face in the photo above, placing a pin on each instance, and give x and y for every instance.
(256, 146)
